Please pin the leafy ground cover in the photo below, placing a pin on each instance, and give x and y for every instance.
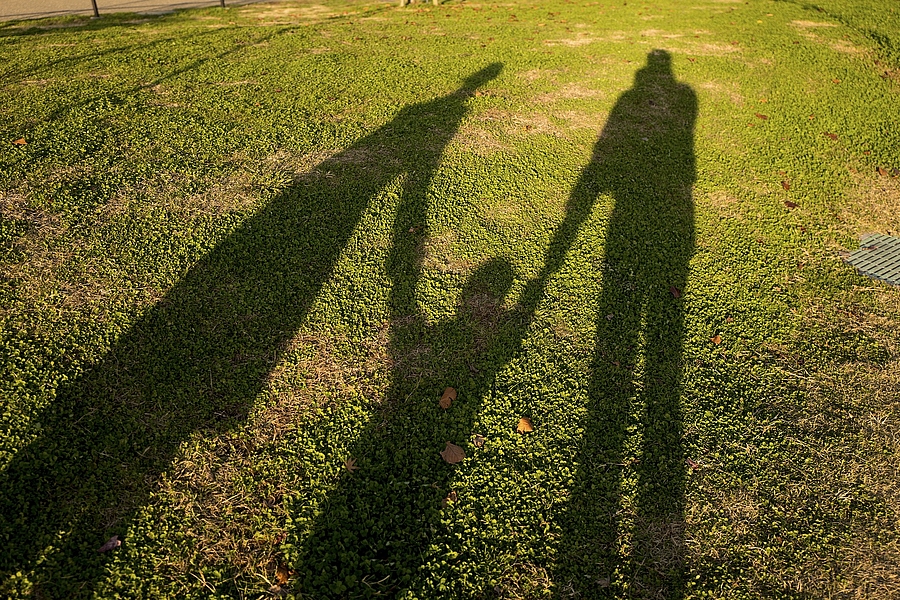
(245, 251)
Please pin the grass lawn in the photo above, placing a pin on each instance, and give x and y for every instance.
(243, 252)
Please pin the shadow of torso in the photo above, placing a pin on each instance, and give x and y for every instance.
(624, 514)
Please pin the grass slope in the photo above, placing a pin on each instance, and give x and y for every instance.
(243, 252)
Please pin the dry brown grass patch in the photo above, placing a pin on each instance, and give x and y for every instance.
(439, 255)
(845, 47)
(538, 74)
(660, 34)
(801, 24)
(711, 49)
(235, 508)
(721, 203)
(503, 211)
(519, 124)
(867, 390)
(720, 90)
(274, 14)
(872, 206)
(583, 119)
(523, 580)
(570, 91)
(582, 39)
(478, 140)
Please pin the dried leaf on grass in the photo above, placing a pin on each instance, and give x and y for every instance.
(786, 185)
(20, 142)
(790, 204)
(282, 573)
(761, 116)
(111, 544)
(693, 464)
(350, 464)
(676, 293)
(478, 440)
(452, 453)
(832, 136)
(448, 397)
(716, 339)
(451, 497)
(525, 425)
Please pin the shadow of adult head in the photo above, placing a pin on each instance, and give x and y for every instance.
(195, 362)
(622, 524)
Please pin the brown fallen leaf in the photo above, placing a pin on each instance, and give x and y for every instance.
(692, 59)
(478, 440)
(525, 425)
(451, 497)
(447, 398)
(111, 544)
(452, 453)
(832, 136)
(716, 339)
(763, 100)
(763, 117)
(693, 464)
(786, 185)
(881, 171)
(729, 319)
(282, 573)
(835, 80)
(790, 204)
(20, 142)
(676, 293)
(350, 465)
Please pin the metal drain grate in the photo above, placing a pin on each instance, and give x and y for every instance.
(878, 257)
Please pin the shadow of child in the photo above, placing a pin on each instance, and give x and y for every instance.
(375, 531)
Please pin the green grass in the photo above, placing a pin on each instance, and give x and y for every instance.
(242, 247)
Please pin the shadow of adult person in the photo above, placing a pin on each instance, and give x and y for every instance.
(195, 362)
(622, 527)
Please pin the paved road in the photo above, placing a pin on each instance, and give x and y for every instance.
(31, 9)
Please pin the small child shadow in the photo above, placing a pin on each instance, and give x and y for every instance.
(380, 519)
